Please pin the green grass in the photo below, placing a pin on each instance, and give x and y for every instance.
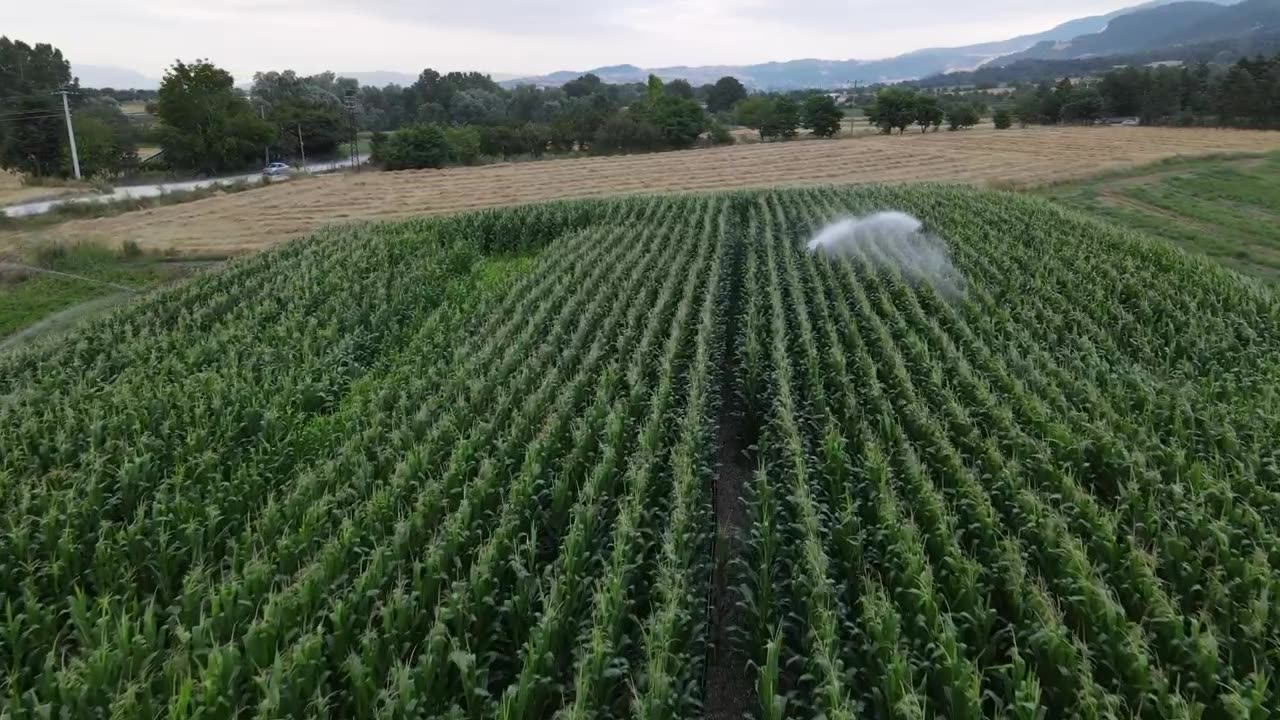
(1226, 207)
(29, 296)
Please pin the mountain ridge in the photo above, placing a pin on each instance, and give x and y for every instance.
(813, 72)
(1171, 25)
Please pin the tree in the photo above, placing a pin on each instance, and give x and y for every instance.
(421, 146)
(206, 125)
(625, 132)
(680, 88)
(894, 107)
(755, 113)
(654, 89)
(726, 93)
(1083, 105)
(785, 120)
(1122, 91)
(464, 145)
(310, 104)
(585, 85)
(681, 120)
(1026, 108)
(822, 116)
(962, 115)
(928, 112)
(1161, 96)
(105, 141)
(477, 107)
(32, 132)
(1003, 119)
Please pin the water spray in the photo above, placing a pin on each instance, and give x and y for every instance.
(893, 240)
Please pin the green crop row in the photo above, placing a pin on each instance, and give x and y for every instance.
(473, 467)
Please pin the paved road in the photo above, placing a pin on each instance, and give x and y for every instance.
(148, 191)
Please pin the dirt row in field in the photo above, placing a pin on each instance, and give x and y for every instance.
(261, 217)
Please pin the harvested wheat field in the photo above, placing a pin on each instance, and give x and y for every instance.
(251, 220)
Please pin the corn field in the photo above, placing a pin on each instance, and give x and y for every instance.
(473, 467)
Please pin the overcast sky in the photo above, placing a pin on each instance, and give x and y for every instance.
(512, 36)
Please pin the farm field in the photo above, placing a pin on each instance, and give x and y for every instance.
(13, 192)
(587, 459)
(1227, 208)
(263, 217)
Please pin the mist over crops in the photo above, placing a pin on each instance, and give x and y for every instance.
(892, 239)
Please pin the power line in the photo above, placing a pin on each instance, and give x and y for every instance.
(29, 117)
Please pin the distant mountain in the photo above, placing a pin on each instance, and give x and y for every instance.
(1168, 26)
(795, 74)
(1220, 52)
(117, 78)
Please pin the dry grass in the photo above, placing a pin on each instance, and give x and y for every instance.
(13, 192)
(1015, 158)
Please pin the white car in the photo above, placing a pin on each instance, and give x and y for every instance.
(276, 168)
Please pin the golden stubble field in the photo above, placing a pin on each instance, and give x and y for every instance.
(258, 218)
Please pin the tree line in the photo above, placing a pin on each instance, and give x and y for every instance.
(898, 108)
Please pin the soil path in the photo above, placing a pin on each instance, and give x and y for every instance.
(729, 690)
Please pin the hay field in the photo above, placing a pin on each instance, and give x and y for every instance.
(258, 218)
(13, 192)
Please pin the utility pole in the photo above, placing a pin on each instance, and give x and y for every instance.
(266, 149)
(302, 148)
(71, 133)
(355, 138)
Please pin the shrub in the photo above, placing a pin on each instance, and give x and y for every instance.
(421, 146)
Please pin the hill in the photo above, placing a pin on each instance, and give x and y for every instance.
(813, 72)
(110, 76)
(1170, 26)
(1035, 70)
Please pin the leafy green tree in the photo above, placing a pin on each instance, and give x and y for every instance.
(681, 120)
(1083, 105)
(105, 141)
(1122, 91)
(726, 93)
(534, 138)
(785, 121)
(680, 88)
(1236, 96)
(206, 125)
(928, 112)
(822, 116)
(1026, 108)
(962, 115)
(1160, 100)
(420, 146)
(1003, 119)
(464, 145)
(477, 107)
(654, 90)
(755, 113)
(894, 107)
(310, 104)
(32, 131)
(627, 132)
(585, 85)
(718, 134)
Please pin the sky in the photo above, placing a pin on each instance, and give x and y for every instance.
(512, 36)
